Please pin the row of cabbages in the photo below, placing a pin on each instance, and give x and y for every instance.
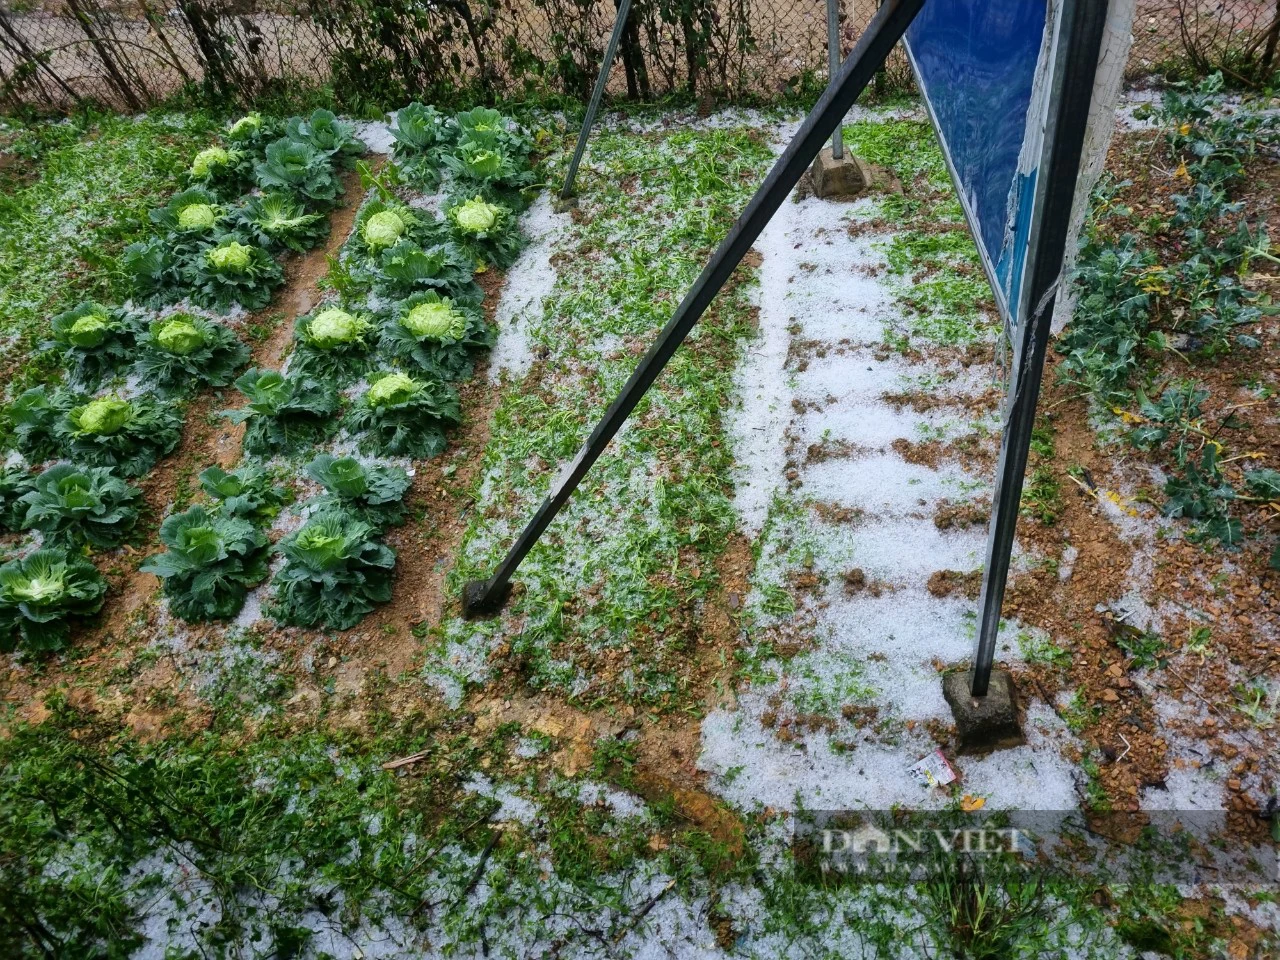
(377, 360)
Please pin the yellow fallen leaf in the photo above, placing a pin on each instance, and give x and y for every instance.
(1181, 172)
(1184, 129)
(970, 803)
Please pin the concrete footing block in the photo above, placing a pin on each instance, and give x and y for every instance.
(984, 724)
(848, 177)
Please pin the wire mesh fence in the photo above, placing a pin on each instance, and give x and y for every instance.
(132, 54)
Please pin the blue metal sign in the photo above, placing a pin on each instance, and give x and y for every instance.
(983, 68)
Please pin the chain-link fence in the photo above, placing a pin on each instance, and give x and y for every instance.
(131, 54)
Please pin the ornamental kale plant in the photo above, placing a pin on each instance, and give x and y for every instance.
(130, 435)
(183, 351)
(299, 167)
(230, 272)
(225, 173)
(406, 268)
(486, 231)
(97, 342)
(15, 483)
(210, 563)
(332, 344)
(277, 220)
(335, 572)
(400, 416)
(193, 214)
(373, 494)
(324, 132)
(248, 492)
(419, 131)
(73, 507)
(284, 414)
(437, 335)
(40, 593)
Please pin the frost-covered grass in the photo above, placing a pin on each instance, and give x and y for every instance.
(61, 232)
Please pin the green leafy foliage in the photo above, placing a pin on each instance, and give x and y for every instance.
(183, 351)
(436, 336)
(381, 224)
(334, 573)
(41, 593)
(485, 127)
(249, 492)
(224, 172)
(332, 344)
(154, 270)
(277, 220)
(284, 414)
(297, 166)
(492, 172)
(406, 268)
(486, 231)
(97, 342)
(401, 416)
(192, 214)
(75, 507)
(252, 132)
(328, 135)
(230, 272)
(419, 132)
(15, 483)
(373, 494)
(210, 562)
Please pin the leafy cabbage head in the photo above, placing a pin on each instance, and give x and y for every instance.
(485, 163)
(323, 543)
(45, 581)
(196, 216)
(435, 320)
(103, 416)
(209, 159)
(246, 126)
(392, 388)
(230, 258)
(334, 328)
(90, 330)
(475, 216)
(181, 336)
(383, 229)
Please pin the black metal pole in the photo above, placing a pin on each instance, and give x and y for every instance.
(1075, 67)
(482, 597)
(620, 24)
(833, 67)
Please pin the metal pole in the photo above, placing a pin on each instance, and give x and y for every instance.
(833, 67)
(482, 597)
(620, 24)
(1075, 66)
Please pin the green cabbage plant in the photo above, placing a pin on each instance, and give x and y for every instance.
(230, 272)
(155, 269)
(251, 133)
(487, 128)
(487, 231)
(183, 351)
(249, 492)
(382, 224)
(130, 435)
(75, 506)
(419, 131)
(195, 212)
(332, 344)
(299, 167)
(400, 416)
(35, 415)
(97, 342)
(436, 335)
(478, 168)
(284, 414)
(15, 483)
(324, 132)
(40, 593)
(374, 494)
(209, 564)
(277, 220)
(225, 172)
(334, 573)
(406, 269)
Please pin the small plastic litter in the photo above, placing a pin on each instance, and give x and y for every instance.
(934, 770)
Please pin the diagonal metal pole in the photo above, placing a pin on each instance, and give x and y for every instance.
(1075, 66)
(620, 24)
(485, 597)
(833, 67)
